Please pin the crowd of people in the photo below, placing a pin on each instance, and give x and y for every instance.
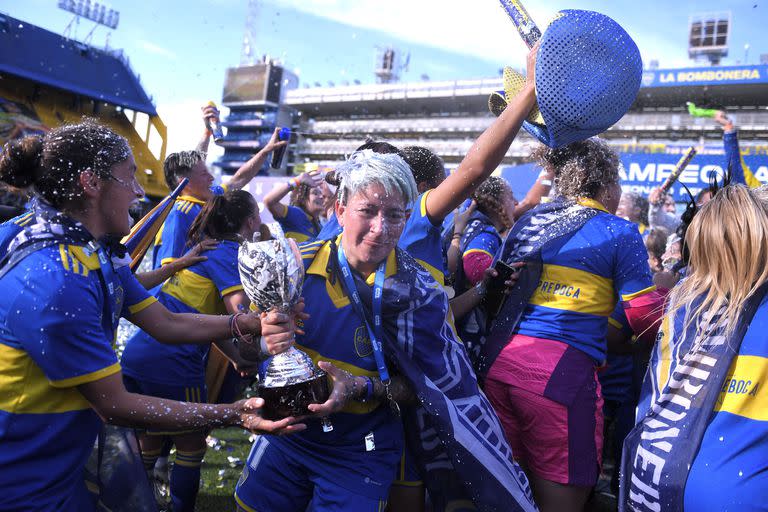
(476, 346)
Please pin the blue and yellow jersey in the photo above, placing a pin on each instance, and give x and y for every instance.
(335, 333)
(10, 228)
(422, 239)
(602, 263)
(53, 338)
(297, 224)
(171, 240)
(196, 289)
(732, 450)
(741, 173)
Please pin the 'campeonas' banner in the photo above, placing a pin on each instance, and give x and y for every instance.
(642, 171)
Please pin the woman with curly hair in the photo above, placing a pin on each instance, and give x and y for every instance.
(541, 356)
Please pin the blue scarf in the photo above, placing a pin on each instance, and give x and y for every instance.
(455, 436)
(660, 450)
(549, 225)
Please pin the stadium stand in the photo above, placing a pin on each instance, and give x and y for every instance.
(48, 80)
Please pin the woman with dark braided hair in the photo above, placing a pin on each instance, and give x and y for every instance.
(178, 371)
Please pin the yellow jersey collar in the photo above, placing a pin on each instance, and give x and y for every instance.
(592, 203)
(320, 265)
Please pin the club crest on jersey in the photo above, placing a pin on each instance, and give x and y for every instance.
(363, 345)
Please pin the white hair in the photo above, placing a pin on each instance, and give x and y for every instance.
(365, 168)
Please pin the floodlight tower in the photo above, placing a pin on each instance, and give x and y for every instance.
(708, 36)
(248, 53)
(97, 12)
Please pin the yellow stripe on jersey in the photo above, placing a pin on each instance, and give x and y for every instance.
(299, 237)
(665, 353)
(88, 377)
(141, 306)
(195, 291)
(25, 219)
(89, 261)
(231, 289)
(423, 203)
(471, 251)
(26, 390)
(635, 295)
(283, 214)
(64, 256)
(243, 505)
(436, 274)
(742, 393)
(352, 407)
(615, 323)
(574, 290)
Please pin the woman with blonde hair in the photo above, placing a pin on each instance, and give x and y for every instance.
(699, 440)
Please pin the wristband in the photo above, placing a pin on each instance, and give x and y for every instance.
(293, 183)
(368, 390)
(480, 288)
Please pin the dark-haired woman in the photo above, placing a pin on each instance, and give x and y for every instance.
(475, 246)
(178, 371)
(580, 258)
(301, 219)
(61, 295)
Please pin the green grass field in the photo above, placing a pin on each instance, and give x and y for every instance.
(221, 469)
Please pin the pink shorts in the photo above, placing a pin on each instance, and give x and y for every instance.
(547, 396)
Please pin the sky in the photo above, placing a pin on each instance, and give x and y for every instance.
(181, 48)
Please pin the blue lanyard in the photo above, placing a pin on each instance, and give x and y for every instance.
(378, 287)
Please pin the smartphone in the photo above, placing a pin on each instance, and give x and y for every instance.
(494, 293)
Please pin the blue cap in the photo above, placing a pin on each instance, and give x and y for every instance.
(588, 73)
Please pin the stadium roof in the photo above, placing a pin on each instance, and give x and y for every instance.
(48, 58)
(724, 86)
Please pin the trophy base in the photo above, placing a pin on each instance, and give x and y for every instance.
(293, 399)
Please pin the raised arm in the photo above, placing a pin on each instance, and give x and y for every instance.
(209, 112)
(485, 154)
(272, 199)
(249, 169)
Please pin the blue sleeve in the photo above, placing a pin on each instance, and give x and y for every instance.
(135, 296)
(632, 275)
(171, 242)
(295, 221)
(422, 239)
(485, 242)
(733, 157)
(62, 331)
(222, 268)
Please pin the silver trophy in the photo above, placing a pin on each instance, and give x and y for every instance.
(272, 275)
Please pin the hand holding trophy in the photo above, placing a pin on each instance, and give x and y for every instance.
(272, 276)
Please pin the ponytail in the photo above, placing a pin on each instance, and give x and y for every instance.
(222, 217)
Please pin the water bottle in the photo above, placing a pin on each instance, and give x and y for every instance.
(214, 126)
(277, 155)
